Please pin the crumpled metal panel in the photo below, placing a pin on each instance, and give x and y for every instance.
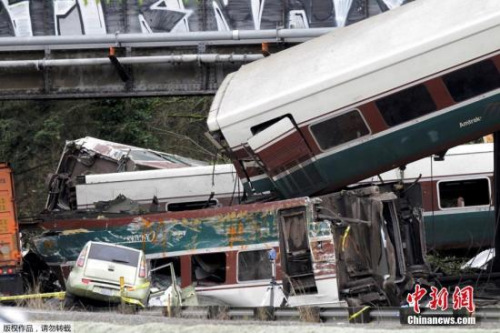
(174, 233)
(94, 156)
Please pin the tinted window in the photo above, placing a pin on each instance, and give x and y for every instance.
(338, 130)
(472, 80)
(253, 265)
(114, 254)
(464, 193)
(406, 105)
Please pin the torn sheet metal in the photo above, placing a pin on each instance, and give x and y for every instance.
(93, 156)
(376, 261)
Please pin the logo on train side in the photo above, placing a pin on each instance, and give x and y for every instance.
(470, 122)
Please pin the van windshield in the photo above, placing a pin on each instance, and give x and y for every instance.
(114, 254)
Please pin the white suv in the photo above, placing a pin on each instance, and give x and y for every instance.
(96, 274)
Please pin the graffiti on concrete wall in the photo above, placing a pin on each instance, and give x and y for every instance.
(165, 16)
(78, 17)
(18, 13)
(24, 18)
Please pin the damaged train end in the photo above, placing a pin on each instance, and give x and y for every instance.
(90, 156)
(378, 246)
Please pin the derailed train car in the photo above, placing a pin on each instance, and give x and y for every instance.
(347, 248)
(90, 156)
(340, 108)
(223, 251)
(91, 171)
(455, 192)
(175, 189)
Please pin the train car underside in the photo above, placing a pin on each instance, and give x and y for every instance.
(379, 247)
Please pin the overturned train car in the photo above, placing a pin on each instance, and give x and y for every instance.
(89, 156)
(225, 251)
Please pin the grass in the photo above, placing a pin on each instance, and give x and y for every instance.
(447, 264)
(309, 314)
(37, 302)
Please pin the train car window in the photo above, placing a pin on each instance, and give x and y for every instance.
(341, 129)
(472, 80)
(191, 205)
(209, 269)
(254, 265)
(259, 128)
(406, 105)
(464, 193)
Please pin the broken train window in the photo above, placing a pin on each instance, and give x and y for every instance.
(209, 268)
(254, 265)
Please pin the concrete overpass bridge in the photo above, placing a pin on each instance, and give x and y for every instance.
(116, 48)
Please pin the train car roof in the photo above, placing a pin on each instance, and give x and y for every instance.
(276, 82)
(461, 162)
(187, 172)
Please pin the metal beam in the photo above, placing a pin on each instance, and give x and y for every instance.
(161, 39)
(182, 58)
(89, 73)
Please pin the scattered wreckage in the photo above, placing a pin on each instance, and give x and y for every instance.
(221, 253)
(93, 170)
(90, 156)
(222, 250)
(362, 246)
(355, 246)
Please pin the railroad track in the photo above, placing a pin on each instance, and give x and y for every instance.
(217, 314)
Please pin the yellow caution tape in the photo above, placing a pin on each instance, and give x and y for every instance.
(132, 301)
(128, 299)
(59, 295)
(141, 286)
(344, 236)
(357, 314)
